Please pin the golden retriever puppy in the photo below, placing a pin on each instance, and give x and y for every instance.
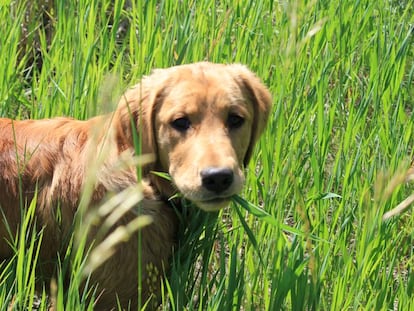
(200, 121)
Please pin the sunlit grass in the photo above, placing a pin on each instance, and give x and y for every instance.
(308, 233)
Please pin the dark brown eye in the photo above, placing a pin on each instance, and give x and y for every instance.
(181, 124)
(234, 121)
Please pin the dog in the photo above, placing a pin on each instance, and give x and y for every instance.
(200, 121)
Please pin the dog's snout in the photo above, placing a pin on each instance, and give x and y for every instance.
(217, 179)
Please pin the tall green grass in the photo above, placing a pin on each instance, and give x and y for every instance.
(329, 166)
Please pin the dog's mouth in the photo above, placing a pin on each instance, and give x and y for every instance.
(214, 204)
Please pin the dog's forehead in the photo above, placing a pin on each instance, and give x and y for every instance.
(194, 91)
(197, 99)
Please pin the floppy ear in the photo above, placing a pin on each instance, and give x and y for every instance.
(260, 97)
(134, 118)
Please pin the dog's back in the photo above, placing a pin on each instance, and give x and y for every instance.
(46, 161)
(40, 160)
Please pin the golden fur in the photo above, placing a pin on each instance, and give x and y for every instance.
(200, 121)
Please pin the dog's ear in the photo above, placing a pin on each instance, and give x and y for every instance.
(260, 97)
(134, 118)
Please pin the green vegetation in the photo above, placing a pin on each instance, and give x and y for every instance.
(329, 166)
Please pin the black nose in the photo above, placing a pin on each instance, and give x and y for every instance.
(217, 179)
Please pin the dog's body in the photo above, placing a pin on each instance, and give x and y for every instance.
(200, 121)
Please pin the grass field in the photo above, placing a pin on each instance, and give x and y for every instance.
(330, 164)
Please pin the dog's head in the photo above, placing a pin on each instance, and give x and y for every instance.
(201, 121)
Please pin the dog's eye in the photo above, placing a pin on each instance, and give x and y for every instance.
(181, 124)
(234, 121)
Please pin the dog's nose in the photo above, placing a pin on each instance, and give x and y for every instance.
(217, 179)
